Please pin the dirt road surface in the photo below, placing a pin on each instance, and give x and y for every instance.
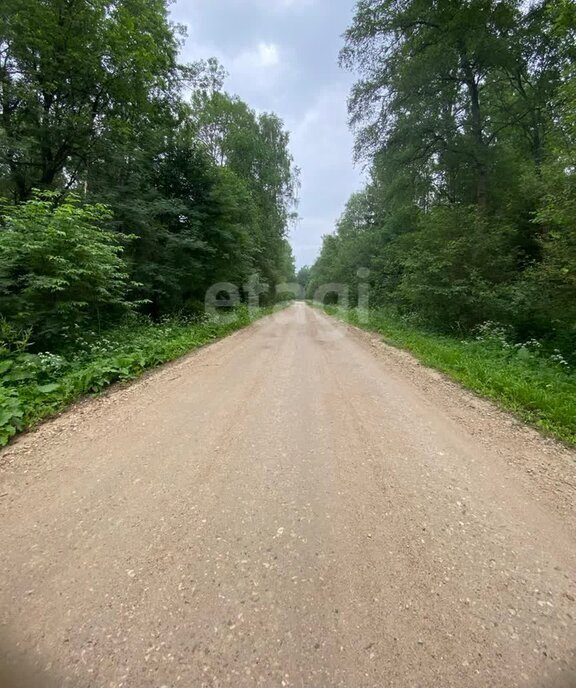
(296, 505)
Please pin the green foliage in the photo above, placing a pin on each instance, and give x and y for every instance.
(208, 189)
(452, 267)
(349, 249)
(146, 200)
(303, 277)
(60, 268)
(255, 148)
(545, 295)
(536, 384)
(92, 101)
(465, 114)
(70, 76)
(34, 386)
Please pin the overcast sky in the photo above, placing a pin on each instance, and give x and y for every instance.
(282, 56)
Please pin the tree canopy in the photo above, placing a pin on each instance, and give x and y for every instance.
(97, 112)
(464, 115)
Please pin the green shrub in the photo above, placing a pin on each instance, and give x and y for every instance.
(60, 268)
(34, 386)
(537, 384)
(453, 266)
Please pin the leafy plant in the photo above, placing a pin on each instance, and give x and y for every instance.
(521, 377)
(60, 267)
(33, 386)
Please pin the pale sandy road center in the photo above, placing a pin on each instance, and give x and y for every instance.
(295, 505)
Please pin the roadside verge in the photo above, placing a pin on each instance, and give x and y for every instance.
(34, 387)
(539, 391)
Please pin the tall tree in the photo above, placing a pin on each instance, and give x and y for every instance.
(444, 83)
(69, 71)
(464, 112)
(256, 148)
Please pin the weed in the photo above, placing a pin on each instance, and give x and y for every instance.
(34, 386)
(539, 387)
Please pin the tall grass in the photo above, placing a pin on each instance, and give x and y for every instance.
(36, 385)
(537, 386)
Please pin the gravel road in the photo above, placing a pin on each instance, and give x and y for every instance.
(296, 505)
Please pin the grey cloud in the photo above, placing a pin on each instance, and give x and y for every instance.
(282, 56)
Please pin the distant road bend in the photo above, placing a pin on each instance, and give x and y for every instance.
(297, 505)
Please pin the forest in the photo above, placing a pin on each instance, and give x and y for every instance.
(129, 184)
(465, 119)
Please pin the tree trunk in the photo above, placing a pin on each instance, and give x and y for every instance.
(477, 135)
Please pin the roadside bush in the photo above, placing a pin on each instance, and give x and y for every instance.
(536, 384)
(453, 266)
(60, 268)
(36, 385)
(546, 294)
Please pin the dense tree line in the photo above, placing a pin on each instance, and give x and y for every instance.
(465, 113)
(130, 181)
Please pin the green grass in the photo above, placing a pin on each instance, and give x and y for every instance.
(35, 386)
(536, 388)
